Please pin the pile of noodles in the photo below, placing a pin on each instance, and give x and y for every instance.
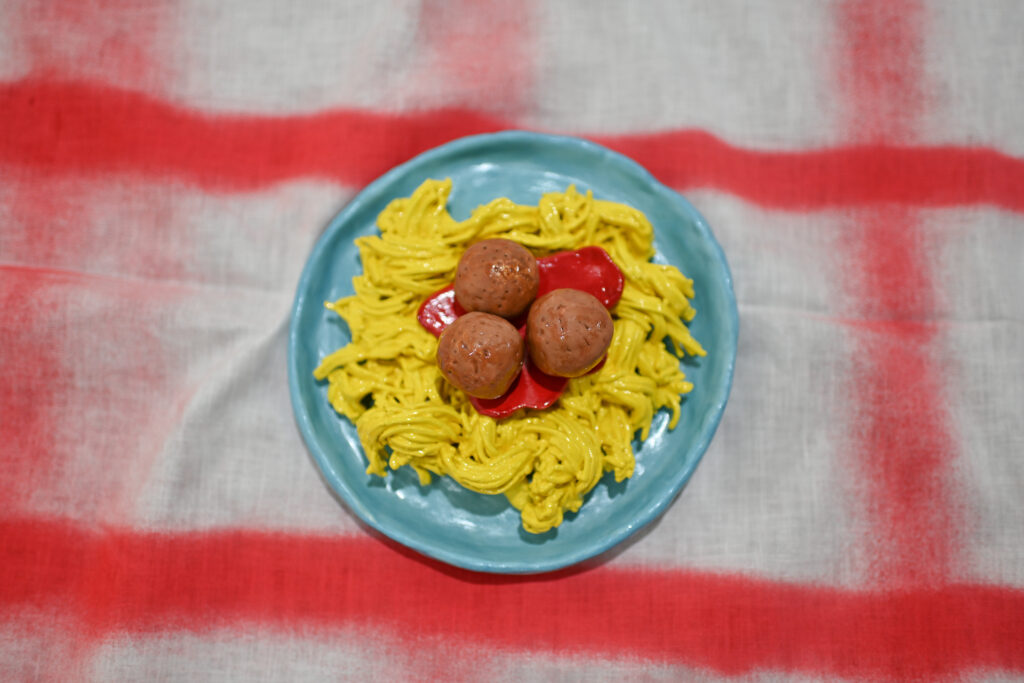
(386, 380)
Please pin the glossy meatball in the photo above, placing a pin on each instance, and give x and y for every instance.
(568, 332)
(496, 276)
(481, 354)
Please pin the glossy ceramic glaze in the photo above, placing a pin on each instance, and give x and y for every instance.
(443, 520)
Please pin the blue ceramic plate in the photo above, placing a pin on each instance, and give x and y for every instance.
(483, 532)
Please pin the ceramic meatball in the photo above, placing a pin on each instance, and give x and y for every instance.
(496, 276)
(481, 354)
(568, 332)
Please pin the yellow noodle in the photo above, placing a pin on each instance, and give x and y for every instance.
(386, 380)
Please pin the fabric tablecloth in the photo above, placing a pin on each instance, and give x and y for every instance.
(166, 167)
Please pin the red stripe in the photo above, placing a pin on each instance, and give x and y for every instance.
(881, 67)
(77, 353)
(843, 176)
(32, 373)
(476, 53)
(117, 580)
(902, 449)
(905, 456)
(63, 128)
(75, 127)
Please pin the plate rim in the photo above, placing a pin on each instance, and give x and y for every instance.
(650, 511)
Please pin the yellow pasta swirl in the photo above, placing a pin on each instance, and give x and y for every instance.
(386, 380)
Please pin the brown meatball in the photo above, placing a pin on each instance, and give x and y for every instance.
(481, 354)
(568, 332)
(496, 276)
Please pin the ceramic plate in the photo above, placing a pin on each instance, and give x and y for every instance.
(443, 520)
